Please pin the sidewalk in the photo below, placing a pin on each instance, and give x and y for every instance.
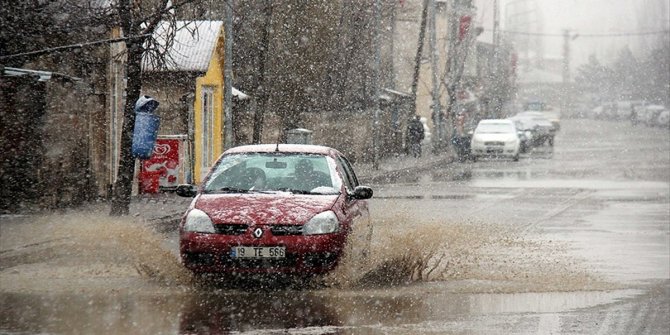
(392, 167)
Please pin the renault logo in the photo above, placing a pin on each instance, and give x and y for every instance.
(258, 232)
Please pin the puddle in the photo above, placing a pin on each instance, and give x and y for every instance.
(96, 274)
(282, 312)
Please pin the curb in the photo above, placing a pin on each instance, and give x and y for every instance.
(385, 176)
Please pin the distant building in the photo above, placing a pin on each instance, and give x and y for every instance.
(49, 137)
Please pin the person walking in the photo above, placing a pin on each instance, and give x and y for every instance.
(415, 135)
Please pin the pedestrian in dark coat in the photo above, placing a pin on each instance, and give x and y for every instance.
(415, 135)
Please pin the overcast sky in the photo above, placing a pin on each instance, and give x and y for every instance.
(582, 18)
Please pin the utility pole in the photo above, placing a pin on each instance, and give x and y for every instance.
(452, 55)
(262, 91)
(377, 65)
(419, 52)
(567, 37)
(227, 78)
(496, 27)
(496, 68)
(437, 108)
(566, 56)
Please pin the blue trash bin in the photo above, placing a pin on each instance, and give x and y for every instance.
(146, 127)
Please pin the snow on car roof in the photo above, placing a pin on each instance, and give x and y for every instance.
(299, 148)
(496, 121)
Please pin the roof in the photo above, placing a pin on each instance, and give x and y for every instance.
(288, 148)
(496, 121)
(192, 46)
(38, 75)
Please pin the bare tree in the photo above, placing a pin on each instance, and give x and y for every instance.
(139, 19)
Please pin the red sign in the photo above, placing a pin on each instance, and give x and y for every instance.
(162, 169)
(464, 26)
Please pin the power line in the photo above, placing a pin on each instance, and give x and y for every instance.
(585, 35)
(72, 46)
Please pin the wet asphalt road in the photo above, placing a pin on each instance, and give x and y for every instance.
(581, 246)
(604, 192)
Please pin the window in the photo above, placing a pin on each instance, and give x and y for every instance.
(349, 176)
(293, 172)
(207, 129)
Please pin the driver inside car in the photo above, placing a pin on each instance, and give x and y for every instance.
(306, 178)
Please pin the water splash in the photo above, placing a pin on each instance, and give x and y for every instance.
(484, 256)
(99, 252)
(82, 250)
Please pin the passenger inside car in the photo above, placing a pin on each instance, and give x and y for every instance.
(306, 178)
(253, 179)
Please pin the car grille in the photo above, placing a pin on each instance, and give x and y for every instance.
(267, 263)
(284, 230)
(230, 229)
(495, 143)
(315, 260)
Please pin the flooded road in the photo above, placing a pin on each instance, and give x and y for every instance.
(574, 240)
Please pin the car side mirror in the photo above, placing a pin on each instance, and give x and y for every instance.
(362, 192)
(186, 190)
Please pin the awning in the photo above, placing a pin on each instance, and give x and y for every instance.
(38, 75)
(239, 94)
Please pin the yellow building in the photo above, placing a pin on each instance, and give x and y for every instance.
(190, 89)
(208, 112)
(193, 74)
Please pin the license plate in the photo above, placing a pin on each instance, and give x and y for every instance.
(258, 252)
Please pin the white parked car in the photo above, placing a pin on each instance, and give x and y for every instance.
(543, 129)
(651, 113)
(663, 119)
(495, 138)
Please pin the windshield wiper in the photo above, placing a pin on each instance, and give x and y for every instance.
(229, 190)
(291, 190)
(237, 190)
(296, 191)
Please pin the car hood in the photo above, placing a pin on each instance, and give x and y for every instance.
(284, 208)
(494, 137)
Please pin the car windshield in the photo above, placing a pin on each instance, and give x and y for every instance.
(274, 172)
(495, 128)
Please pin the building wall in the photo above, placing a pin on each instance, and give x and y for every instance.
(21, 146)
(171, 90)
(48, 138)
(213, 79)
(68, 170)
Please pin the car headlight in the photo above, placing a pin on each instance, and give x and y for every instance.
(198, 221)
(322, 223)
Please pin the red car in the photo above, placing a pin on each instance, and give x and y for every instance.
(273, 209)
